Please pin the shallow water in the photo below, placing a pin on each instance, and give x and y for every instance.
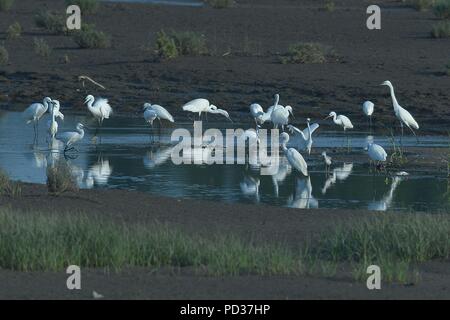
(126, 159)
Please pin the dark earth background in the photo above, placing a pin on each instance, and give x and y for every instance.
(243, 64)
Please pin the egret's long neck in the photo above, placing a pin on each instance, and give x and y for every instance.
(277, 99)
(53, 114)
(335, 119)
(394, 99)
(283, 146)
(81, 132)
(45, 102)
(90, 106)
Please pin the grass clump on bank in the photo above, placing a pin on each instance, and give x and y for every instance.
(51, 22)
(442, 9)
(89, 38)
(8, 187)
(393, 242)
(60, 179)
(4, 56)
(441, 29)
(86, 6)
(40, 242)
(41, 48)
(421, 5)
(220, 4)
(14, 31)
(329, 6)
(5, 5)
(307, 52)
(180, 43)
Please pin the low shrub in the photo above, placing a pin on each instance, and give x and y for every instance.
(14, 31)
(5, 5)
(4, 56)
(60, 179)
(86, 6)
(8, 187)
(421, 5)
(174, 44)
(41, 48)
(51, 22)
(441, 30)
(442, 9)
(307, 52)
(89, 38)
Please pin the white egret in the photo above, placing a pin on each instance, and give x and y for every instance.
(258, 113)
(305, 135)
(71, 138)
(280, 116)
(303, 198)
(52, 125)
(203, 106)
(401, 113)
(340, 120)
(99, 108)
(161, 112)
(294, 157)
(149, 116)
(376, 152)
(326, 160)
(250, 187)
(368, 108)
(34, 113)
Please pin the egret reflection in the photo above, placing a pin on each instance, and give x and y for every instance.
(250, 187)
(386, 202)
(338, 174)
(302, 197)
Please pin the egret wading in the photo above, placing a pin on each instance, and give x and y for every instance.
(368, 108)
(280, 116)
(306, 141)
(327, 160)
(342, 121)
(71, 138)
(52, 125)
(401, 113)
(203, 106)
(34, 113)
(376, 153)
(294, 157)
(161, 114)
(99, 108)
(150, 116)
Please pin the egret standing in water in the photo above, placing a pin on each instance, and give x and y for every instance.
(294, 157)
(376, 153)
(280, 116)
(343, 122)
(34, 113)
(150, 116)
(401, 113)
(52, 125)
(203, 106)
(99, 108)
(326, 160)
(305, 135)
(71, 138)
(368, 108)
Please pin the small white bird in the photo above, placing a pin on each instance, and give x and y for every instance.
(327, 160)
(340, 120)
(99, 108)
(376, 152)
(257, 113)
(203, 106)
(368, 108)
(280, 116)
(70, 138)
(161, 112)
(294, 157)
(96, 295)
(52, 125)
(34, 113)
(305, 135)
(150, 116)
(401, 113)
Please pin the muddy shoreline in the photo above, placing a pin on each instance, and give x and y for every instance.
(242, 66)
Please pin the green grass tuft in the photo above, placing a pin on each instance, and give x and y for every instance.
(89, 38)
(174, 44)
(60, 179)
(8, 187)
(421, 5)
(50, 21)
(14, 31)
(4, 56)
(307, 52)
(41, 48)
(5, 5)
(329, 6)
(86, 6)
(442, 9)
(441, 30)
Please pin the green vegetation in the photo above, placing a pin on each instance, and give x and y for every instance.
(89, 38)
(421, 5)
(174, 44)
(329, 5)
(41, 48)
(8, 187)
(220, 4)
(447, 69)
(5, 5)
(14, 31)
(442, 9)
(4, 56)
(307, 52)
(51, 22)
(86, 6)
(441, 29)
(394, 242)
(60, 179)
(397, 157)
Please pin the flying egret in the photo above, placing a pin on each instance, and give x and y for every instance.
(376, 152)
(280, 116)
(34, 113)
(368, 108)
(99, 108)
(294, 157)
(70, 138)
(326, 160)
(305, 135)
(401, 113)
(203, 106)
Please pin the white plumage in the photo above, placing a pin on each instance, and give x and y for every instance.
(99, 108)
(150, 116)
(368, 108)
(70, 138)
(327, 159)
(294, 157)
(376, 152)
(305, 135)
(341, 120)
(280, 116)
(203, 106)
(161, 112)
(52, 124)
(401, 113)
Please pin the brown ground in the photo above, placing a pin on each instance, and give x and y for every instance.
(251, 35)
(260, 223)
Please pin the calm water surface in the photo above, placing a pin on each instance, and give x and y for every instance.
(126, 159)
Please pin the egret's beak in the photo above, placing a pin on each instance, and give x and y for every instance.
(327, 117)
(292, 114)
(86, 101)
(229, 119)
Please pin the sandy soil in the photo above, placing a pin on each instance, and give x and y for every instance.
(259, 223)
(243, 65)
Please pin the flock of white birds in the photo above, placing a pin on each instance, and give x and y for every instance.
(277, 114)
